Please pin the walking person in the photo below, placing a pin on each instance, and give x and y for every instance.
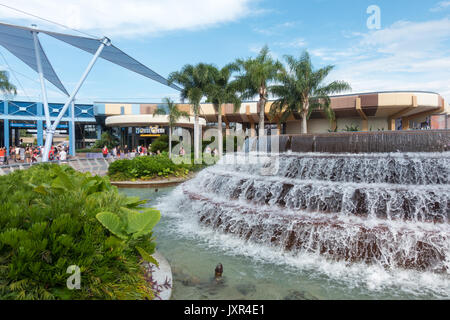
(28, 155)
(34, 155)
(17, 158)
(12, 153)
(63, 155)
(2, 155)
(22, 154)
(182, 152)
(105, 152)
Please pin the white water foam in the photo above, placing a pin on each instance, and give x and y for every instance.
(242, 192)
(373, 278)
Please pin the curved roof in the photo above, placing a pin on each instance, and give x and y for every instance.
(147, 120)
(378, 104)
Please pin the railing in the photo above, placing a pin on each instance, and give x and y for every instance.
(98, 166)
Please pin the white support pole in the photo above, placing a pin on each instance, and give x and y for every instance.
(51, 130)
(41, 78)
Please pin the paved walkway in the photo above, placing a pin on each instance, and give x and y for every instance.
(96, 166)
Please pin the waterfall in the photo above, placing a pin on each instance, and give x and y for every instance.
(390, 210)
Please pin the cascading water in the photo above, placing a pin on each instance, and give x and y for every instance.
(385, 210)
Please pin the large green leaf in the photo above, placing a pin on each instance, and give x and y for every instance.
(113, 223)
(147, 257)
(140, 224)
(133, 202)
(62, 181)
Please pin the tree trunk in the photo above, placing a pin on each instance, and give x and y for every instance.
(219, 133)
(304, 128)
(170, 142)
(305, 117)
(262, 103)
(196, 139)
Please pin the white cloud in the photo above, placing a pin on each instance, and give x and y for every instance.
(277, 29)
(404, 56)
(295, 43)
(407, 37)
(131, 17)
(441, 6)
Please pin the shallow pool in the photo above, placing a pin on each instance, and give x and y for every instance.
(253, 271)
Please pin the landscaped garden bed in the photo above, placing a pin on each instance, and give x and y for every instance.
(150, 168)
(55, 222)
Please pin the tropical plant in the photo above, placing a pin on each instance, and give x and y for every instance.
(146, 168)
(130, 224)
(49, 223)
(254, 79)
(194, 80)
(351, 128)
(161, 143)
(174, 115)
(107, 139)
(222, 91)
(5, 85)
(301, 90)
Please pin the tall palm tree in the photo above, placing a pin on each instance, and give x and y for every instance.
(256, 74)
(194, 80)
(5, 85)
(301, 90)
(174, 115)
(222, 91)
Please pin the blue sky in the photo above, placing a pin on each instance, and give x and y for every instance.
(411, 50)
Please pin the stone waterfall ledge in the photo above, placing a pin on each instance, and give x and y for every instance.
(148, 184)
(153, 183)
(161, 277)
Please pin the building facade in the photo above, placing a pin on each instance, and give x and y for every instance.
(135, 124)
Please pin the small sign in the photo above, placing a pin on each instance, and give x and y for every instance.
(149, 130)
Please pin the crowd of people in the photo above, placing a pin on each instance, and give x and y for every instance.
(118, 152)
(31, 154)
(213, 153)
(125, 152)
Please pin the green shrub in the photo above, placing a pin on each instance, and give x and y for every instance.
(161, 143)
(89, 150)
(146, 167)
(351, 128)
(50, 219)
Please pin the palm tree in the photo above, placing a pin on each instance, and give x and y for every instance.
(222, 91)
(5, 85)
(174, 115)
(301, 90)
(194, 80)
(254, 80)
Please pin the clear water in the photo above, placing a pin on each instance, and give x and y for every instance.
(257, 271)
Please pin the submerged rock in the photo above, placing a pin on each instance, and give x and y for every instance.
(299, 295)
(246, 288)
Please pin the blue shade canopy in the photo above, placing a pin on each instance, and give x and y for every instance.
(19, 41)
(112, 54)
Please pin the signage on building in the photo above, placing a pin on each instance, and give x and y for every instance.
(149, 130)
